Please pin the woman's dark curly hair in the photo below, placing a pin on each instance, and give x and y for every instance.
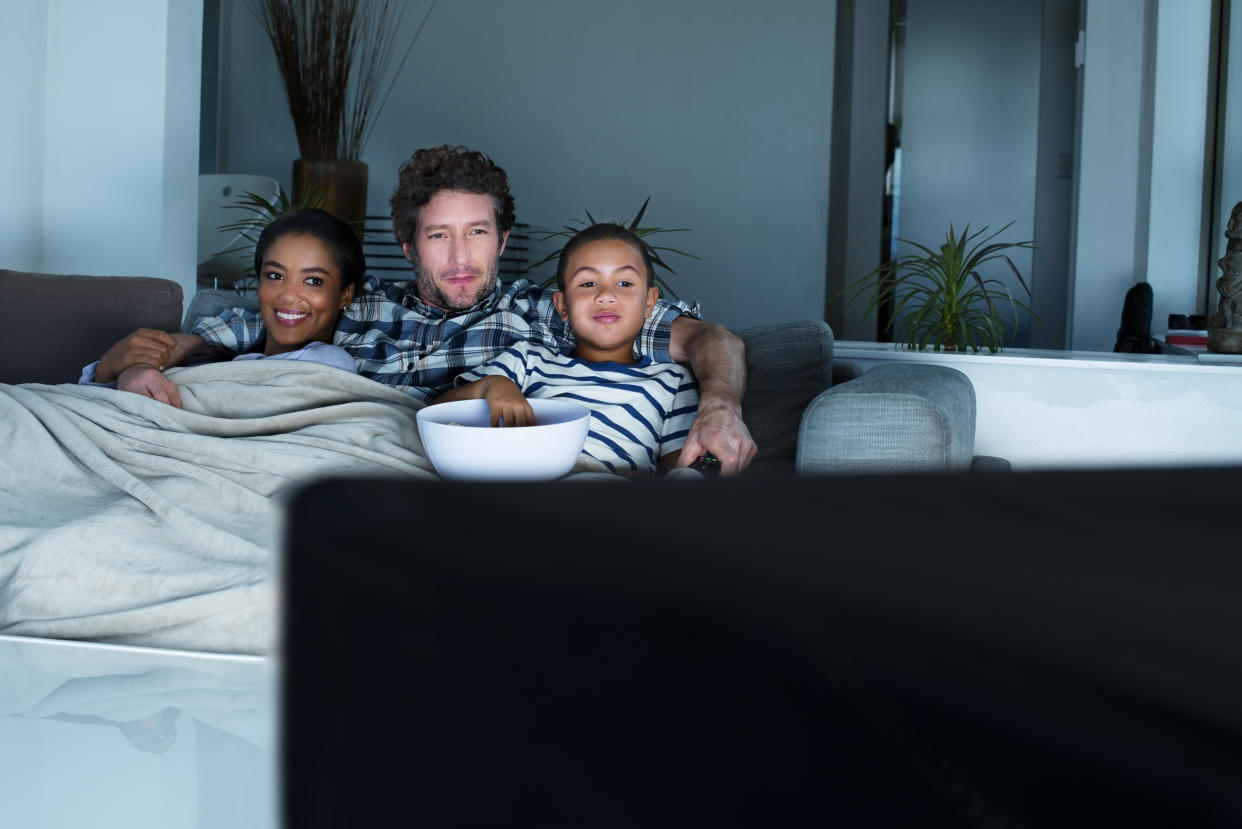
(447, 168)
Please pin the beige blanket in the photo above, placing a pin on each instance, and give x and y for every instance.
(126, 520)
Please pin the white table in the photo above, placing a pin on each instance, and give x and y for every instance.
(105, 736)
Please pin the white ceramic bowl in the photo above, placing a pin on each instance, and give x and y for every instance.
(463, 446)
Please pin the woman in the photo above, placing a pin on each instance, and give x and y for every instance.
(309, 265)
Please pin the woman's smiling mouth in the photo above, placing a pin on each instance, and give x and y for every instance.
(287, 317)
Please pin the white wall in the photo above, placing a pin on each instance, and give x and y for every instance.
(1107, 171)
(720, 111)
(105, 153)
(1231, 147)
(178, 218)
(23, 34)
(1141, 168)
(1175, 256)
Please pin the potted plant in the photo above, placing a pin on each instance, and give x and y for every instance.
(572, 229)
(333, 57)
(939, 298)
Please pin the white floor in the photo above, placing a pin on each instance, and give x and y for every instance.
(105, 736)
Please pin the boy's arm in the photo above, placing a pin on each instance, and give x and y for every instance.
(504, 399)
(718, 358)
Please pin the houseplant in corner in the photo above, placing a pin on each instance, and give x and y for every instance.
(572, 229)
(940, 300)
(333, 57)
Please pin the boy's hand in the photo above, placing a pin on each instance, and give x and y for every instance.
(505, 401)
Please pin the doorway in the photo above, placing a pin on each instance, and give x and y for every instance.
(977, 127)
(985, 103)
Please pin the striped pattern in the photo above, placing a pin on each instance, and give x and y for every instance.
(639, 412)
(397, 339)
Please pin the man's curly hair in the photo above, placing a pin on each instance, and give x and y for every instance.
(434, 169)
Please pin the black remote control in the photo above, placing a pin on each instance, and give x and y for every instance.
(707, 464)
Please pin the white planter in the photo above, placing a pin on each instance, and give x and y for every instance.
(1059, 409)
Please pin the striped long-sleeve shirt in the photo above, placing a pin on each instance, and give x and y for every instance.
(639, 412)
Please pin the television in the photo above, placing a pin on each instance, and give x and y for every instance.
(1035, 649)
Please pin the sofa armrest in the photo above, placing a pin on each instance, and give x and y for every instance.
(894, 418)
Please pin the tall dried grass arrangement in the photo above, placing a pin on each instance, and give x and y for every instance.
(333, 57)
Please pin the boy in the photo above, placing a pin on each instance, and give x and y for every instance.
(641, 411)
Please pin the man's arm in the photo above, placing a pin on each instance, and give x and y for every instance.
(718, 359)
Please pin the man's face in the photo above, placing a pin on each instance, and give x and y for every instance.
(455, 250)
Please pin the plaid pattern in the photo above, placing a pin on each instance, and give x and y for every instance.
(399, 340)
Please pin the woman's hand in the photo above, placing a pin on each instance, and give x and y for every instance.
(149, 382)
(506, 402)
(146, 346)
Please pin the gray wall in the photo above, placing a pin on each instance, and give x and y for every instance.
(860, 111)
(720, 111)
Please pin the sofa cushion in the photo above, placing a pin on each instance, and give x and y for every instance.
(210, 303)
(51, 325)
(786, 366)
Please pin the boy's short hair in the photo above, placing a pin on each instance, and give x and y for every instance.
(604, 232)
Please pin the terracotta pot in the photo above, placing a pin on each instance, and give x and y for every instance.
(337, 185)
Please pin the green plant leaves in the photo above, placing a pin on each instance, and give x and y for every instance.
(940, 300)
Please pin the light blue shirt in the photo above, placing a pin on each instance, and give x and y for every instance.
(315, 352)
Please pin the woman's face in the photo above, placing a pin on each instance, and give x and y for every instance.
(301, 293)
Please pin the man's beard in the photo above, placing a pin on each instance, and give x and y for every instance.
(430, 292)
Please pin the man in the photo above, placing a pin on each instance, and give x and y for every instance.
(452, 213)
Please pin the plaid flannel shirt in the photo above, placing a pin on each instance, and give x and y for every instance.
(398, 339)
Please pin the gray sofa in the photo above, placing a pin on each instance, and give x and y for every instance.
(805, 413)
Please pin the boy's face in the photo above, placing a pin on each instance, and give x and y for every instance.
(606, 299)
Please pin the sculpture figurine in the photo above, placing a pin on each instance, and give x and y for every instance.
(1225, 326)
